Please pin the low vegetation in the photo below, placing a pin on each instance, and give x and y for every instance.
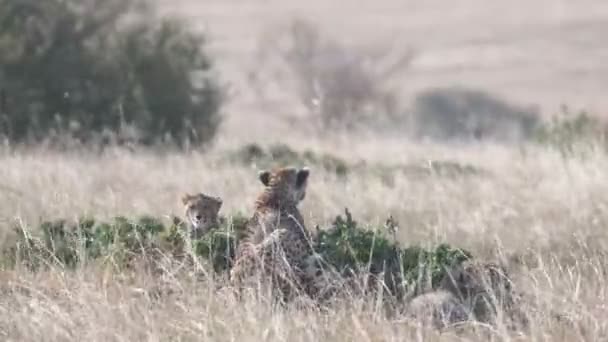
(281, 154)
(345, 246)
(260, 157)
(572, 133)
(350, 248)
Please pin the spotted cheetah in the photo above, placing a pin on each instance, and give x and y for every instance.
(440, 309)
(277, 242)
(473, 290)
(486, 289)
(201, 213)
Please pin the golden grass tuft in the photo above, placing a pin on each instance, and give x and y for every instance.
(542, 215)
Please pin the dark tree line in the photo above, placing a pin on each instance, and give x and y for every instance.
(103, 69)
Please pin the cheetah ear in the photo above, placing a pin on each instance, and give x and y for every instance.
(264, 177)
(302, 176)
(218, 203)
(186, 198)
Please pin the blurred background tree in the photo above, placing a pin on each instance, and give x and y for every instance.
(103, 71)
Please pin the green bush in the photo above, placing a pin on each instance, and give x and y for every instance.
(568, 131)
(103, 71)
(120, 241)
(346, 247)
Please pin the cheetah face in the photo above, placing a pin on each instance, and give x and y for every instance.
(291, 182)
(201, 212)
(472, 279)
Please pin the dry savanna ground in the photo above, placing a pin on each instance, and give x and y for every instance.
(543, 215)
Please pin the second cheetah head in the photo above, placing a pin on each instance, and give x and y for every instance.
(285, 184)
(486, 287)
(201, 212)
(474, 277)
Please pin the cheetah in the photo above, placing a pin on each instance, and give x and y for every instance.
(472, 291)
(440, 309)
(201, 213)
(486, 289)
(277, 242)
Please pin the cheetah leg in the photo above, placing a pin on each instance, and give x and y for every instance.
(265, 257)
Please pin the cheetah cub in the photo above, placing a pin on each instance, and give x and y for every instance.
(202, 213)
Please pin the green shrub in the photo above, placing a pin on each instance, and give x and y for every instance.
(103, 71)
(348, 247)
(120, 240)
(568, 131)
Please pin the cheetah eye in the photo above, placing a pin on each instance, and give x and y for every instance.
(198, 217)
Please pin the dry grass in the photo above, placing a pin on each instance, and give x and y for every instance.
(543, 215)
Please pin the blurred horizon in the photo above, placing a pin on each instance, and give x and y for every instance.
(539, 53)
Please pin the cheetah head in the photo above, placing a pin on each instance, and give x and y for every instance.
(201, 212)
(474, 278)
(485, 287)
(289, 183)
